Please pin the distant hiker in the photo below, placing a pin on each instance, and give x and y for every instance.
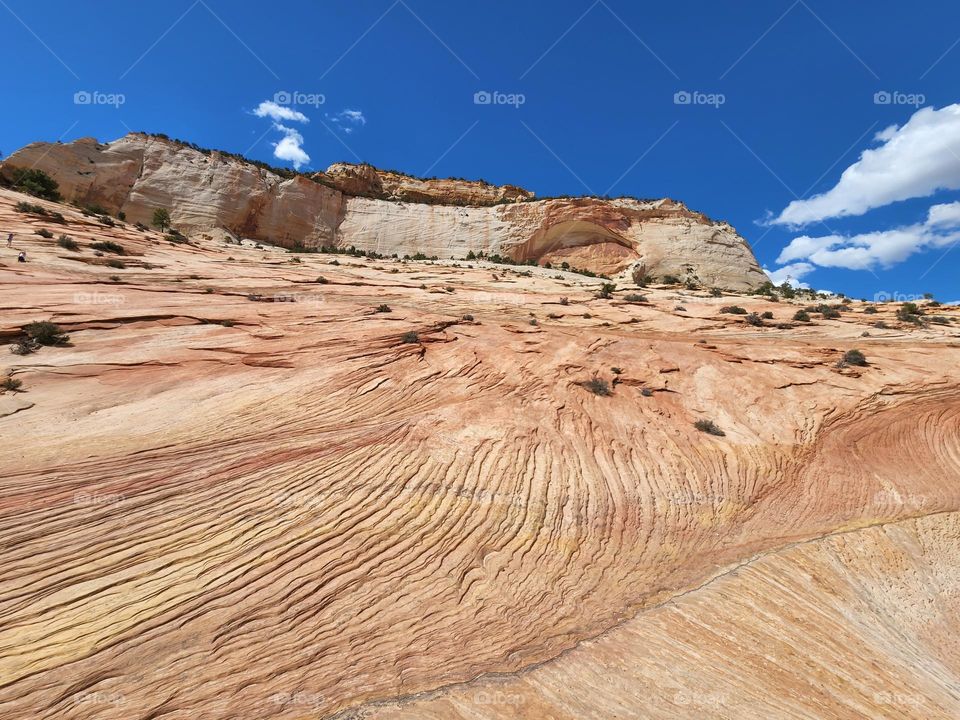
(22, 257)
(10, 240)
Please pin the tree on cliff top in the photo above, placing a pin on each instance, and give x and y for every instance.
(161, 218)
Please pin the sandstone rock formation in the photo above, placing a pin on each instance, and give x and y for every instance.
(392, 213)
(218, 505)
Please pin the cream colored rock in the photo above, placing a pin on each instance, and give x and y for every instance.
(393, 213)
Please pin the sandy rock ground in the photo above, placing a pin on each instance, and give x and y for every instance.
(213, 506)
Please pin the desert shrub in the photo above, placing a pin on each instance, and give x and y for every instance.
(606, 291)
(44, 233)
(384, 308)
(733, 310)
(638, 275)
(67, 243)
(467, 318)
(635, 298)
(709, 426)
(646, 392)
(670, 280)
(37, 183)
(58, 218)
(24, 346)
(870, 310)
(115, 278)
(801, 316)
(616, 370)
(787, 291)
(754, 319)
(680, 308)
(121, 216)
(598, 386)
(45, 333)
(939, 320)
(830, 313)
(881, 325)
(409, 338)
(141, 227)
(854, 357)
(767, 315)
(716, 292)
(564, 301)
(11, 385)
(108, 246)
(533, 321)
(321, 280)
(31, 208)
(115, 264)
(910, 313)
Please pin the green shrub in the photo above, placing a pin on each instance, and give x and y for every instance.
(870, 310)
(606, 291)
(716, 292)
(108, 246)
(37, 183)
(43, 232)
(767, 315)
(383, 308)
(709, 426)
(31, 208)
(467, 318)
(854, 357)
(635, 298)
(670, 280)
(115, 264)
(45, 333)
(801, 316)
(11, 385)
(409, 338)
(830, 313)
(733, 310)
(754, 319)
(67, 243)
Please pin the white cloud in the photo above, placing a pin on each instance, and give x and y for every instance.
(348, 120)
(915, 160)
(790, 274)
(884, 248)
(276, 112)
(290, 147)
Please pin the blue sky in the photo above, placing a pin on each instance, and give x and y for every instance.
(736, 108)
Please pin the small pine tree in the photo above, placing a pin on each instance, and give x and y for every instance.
(161, 218)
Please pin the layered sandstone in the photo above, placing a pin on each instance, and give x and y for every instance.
(218, 505)
(392, 213)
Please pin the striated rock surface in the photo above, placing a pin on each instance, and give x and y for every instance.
(392, 213)
(241, 493)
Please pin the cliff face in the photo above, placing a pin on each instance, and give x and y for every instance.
(390, 212)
